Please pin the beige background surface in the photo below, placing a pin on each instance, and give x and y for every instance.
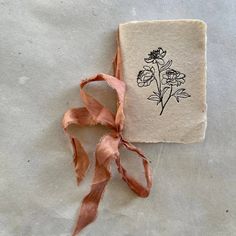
(46, 48)
(184, 41)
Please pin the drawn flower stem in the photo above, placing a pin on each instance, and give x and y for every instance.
(159, 88)
(170, 94)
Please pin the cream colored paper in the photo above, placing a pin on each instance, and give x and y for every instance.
(183, 42)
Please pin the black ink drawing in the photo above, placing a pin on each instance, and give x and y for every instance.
(166, 79)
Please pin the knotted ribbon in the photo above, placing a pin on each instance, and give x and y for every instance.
(107, 150)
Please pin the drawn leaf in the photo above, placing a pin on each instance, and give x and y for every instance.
(154, 97)
(157, 93)
(166, 66)
(180, 93)
(164, 91)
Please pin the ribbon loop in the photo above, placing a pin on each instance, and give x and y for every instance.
(107, 149)
(134, 185)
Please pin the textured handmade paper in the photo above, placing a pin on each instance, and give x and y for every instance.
(164, 68)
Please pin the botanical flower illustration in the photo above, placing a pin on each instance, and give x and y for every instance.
(167, 80)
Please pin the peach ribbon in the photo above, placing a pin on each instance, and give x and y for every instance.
(107, 149)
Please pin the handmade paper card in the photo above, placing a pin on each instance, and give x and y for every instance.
(163, 64)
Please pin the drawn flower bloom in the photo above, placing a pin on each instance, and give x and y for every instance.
(156, 56)
(173, 77)
(145, 76)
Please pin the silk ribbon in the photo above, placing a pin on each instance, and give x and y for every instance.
(107, 150)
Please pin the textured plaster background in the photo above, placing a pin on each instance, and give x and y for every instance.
(46, 47)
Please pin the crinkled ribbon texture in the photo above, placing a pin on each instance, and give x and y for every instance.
(107, 149)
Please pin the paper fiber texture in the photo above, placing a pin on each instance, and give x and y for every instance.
(164, 68)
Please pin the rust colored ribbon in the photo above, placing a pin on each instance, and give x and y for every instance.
(107, 149)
